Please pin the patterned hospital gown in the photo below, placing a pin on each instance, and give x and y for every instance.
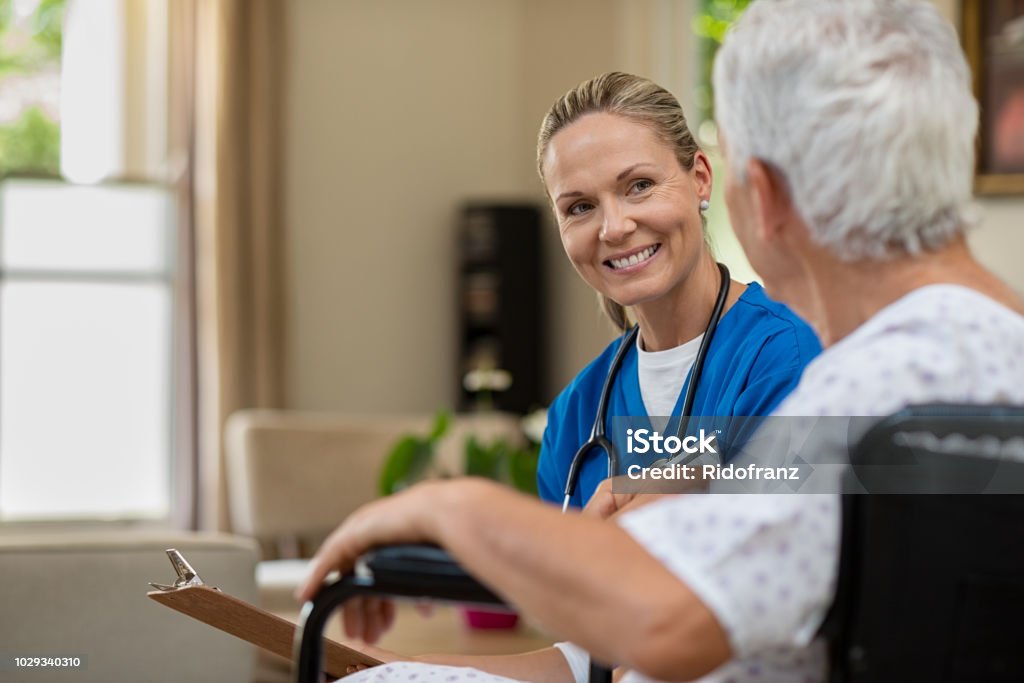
(766, 564)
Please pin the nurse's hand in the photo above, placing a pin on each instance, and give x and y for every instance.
(367, 618)
(385, 656)
(604, 504)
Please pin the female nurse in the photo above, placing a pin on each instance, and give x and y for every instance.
(629, 185)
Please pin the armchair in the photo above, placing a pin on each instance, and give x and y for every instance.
(84, 594)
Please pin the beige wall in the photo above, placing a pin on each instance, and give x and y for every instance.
(397, 111)
(555, 59)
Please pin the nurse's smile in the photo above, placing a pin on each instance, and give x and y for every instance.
(632, 261)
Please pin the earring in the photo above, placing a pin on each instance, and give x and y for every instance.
(704, 205)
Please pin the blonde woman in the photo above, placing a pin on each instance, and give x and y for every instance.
(628, 185)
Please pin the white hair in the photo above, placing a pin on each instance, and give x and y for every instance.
(865, 109)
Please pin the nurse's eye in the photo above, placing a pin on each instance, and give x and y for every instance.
(641, 186)
(579, 208)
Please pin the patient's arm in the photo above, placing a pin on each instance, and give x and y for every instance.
(581, 578)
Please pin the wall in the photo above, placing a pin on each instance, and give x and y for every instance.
(397, 111)
(555, 59)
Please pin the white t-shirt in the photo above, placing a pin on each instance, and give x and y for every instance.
(766, 564)
(663, 374)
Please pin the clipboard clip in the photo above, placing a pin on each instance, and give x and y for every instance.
(186, 574)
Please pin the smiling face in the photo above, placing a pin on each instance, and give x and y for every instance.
(627, 211)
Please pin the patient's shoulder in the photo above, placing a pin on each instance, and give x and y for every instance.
(947, 344)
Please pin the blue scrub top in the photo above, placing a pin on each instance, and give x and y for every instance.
(755, 359)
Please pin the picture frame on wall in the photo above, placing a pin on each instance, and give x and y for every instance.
(993, 38)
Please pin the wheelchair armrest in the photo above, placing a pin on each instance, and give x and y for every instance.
(427, 570)
(415, 571)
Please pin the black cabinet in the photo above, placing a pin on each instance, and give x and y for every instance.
(500, 307)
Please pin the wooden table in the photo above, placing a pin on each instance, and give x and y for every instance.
(444, 631)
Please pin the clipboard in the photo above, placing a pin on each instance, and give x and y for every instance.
(189, 595)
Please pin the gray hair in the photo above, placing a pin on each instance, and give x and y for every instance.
(865, 109)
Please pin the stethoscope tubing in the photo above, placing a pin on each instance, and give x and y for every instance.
(598, 438)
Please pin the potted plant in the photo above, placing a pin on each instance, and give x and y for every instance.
(413, 457)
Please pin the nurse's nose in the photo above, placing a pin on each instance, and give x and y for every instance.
(617, 226)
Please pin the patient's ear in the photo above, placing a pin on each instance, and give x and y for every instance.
(773, 204)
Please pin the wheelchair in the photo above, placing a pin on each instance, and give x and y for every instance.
(931, 573)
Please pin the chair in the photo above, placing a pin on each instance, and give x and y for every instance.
(931, 587)
(83, 594)
(294, 475)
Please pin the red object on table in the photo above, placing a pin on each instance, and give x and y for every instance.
(487, 619)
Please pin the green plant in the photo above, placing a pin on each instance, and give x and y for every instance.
(31, 144)
(503, 462)
(48, 27)
(712, 20)
(30, 51)
(412, 457)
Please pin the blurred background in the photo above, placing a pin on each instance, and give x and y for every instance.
(302, 205)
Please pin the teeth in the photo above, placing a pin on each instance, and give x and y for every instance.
(634, 259)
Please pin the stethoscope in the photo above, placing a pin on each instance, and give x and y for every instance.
(598, 438)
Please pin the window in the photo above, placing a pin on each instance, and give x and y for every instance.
(87, 271)
(713, 19)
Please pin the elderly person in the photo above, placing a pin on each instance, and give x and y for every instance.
(850, 146)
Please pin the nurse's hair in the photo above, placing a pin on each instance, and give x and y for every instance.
(864, 109)
(634, 98)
